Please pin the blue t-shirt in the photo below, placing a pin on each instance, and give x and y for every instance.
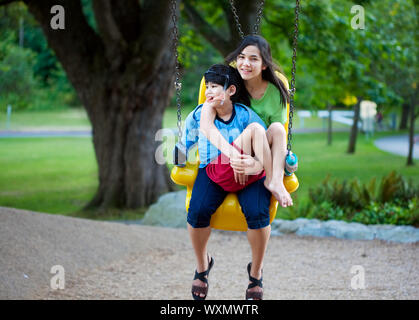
(241, 117)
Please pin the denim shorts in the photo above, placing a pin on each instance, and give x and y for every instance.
(207, 196)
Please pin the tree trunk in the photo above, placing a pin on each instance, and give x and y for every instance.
(404, 116)
(412, 129)
(124, 130)
(354, 129)
(329, 127)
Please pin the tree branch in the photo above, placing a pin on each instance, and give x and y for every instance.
(207, 31)
(111, 35)
(155, 32)
(4, 2)
(127, 16)
(77, 46)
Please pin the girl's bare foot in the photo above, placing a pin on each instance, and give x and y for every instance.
(280, 193)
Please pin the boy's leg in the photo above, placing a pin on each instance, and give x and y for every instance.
(199, 238)
(277, 139)
(206, 197)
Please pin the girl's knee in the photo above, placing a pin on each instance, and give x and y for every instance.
(256, 128)
(277, 128)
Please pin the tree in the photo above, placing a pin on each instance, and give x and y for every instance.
(396, 64)
(123, 75)
(120, 61)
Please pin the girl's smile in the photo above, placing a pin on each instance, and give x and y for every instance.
(249, 63)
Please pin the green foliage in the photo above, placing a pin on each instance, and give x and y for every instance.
(16, 78)
(31, 78)
(393, 201)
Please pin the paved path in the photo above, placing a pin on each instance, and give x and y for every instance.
(398, 145)
(45, 133)
(107, 260)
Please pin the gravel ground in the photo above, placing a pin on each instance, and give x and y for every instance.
(106, 260)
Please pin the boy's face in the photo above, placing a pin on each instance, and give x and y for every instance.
(215, 92)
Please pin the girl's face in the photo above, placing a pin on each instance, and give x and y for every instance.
(250, 63)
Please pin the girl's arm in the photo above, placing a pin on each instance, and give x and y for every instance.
(247, 165)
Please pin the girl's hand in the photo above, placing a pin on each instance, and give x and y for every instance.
(245, 164)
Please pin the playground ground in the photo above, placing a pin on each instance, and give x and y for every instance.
(109, 260)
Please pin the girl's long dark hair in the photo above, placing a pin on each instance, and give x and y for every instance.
(265, 51)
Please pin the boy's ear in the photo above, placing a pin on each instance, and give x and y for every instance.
(232, 90)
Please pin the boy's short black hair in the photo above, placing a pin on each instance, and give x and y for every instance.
(226, 76)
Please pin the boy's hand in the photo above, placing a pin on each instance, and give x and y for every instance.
(217, 100)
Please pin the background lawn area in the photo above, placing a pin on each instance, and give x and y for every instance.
(53, 175)
(68, 119)
(59, 175)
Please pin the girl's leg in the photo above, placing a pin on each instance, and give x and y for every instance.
(277, 139)
(258, 240)
(270, 148)
(199, 238)
(255, 200)
(253, 138)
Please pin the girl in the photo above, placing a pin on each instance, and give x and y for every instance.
(268, 98)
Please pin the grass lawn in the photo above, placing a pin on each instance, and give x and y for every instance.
(70, 119)
(76, 119)
(59, 175)
(54, 175)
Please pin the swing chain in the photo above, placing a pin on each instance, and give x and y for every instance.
(236, 18)
(258, 18)
(293, 70)
(178, 84)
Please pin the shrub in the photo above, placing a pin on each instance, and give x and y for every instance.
(393, 201)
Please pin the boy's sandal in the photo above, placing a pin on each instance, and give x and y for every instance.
(201, 276)
(253, 295)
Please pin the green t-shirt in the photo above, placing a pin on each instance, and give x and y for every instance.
(269, 107)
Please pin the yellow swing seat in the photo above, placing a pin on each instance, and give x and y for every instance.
(229, 215)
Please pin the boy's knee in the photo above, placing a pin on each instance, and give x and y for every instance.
(199, 217)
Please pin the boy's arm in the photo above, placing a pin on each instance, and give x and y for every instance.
(211, 132)
(189, 138)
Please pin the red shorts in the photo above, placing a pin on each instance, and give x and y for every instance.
(221, 172)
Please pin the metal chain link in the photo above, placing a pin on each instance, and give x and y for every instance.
(178, 84)
(258, 18)
(293, 70)
(236, 18)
